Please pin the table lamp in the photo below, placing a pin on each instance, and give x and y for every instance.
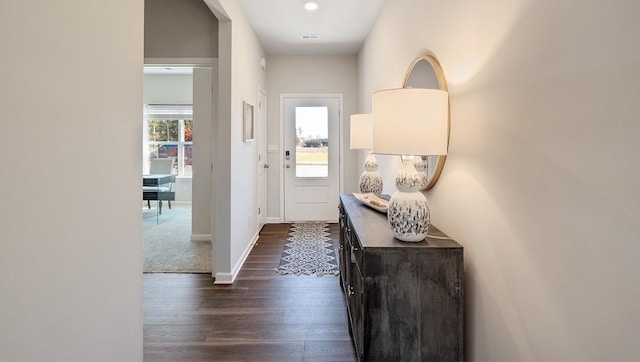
(361, 138)
(410, 122)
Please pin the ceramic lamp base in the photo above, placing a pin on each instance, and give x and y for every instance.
(408, 211)
(371, 181)
(408, 216)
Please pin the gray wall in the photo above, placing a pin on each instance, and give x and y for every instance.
(179, 29)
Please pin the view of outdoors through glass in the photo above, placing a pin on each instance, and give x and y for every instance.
(312, 141)
(174, 139)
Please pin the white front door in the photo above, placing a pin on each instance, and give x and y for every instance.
(311, 157)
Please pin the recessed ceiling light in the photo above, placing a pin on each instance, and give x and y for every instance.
(311, 5)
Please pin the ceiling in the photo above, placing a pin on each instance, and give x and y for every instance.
(337, 27)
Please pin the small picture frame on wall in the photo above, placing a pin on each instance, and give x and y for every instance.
(249, 124)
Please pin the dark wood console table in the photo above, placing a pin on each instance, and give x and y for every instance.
(405, 300)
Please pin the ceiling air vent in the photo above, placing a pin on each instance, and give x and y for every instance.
(309, 36)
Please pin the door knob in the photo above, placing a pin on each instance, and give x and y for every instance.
(287, 165)
(266, 165)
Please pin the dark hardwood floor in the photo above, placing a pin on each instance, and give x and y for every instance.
(263, 316)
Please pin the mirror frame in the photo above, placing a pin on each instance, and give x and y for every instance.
(442, 84)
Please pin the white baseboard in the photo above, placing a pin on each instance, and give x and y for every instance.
(223, 278)
(229, 278)
(200, 237)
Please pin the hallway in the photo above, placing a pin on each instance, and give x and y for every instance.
(263, 316)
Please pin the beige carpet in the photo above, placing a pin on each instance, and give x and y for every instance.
(167, 245)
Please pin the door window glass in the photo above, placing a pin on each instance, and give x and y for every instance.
(312, 142)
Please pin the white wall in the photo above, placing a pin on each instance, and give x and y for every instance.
(309, 75)
(234, 218)
(168, 89)
(540, 185)
(172, 89)
(71, 260)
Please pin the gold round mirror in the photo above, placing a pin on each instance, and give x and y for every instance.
(425, 72)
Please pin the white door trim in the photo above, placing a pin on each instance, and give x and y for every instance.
(340, 137)
(262, 145)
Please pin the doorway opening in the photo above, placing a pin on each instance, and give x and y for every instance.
(170, 132)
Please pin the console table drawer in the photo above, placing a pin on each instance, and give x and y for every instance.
(354, 244)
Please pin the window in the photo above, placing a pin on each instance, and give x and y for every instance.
(168, 133)
(312, 141)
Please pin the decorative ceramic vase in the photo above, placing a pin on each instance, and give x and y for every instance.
(370, 179)
(408, 212)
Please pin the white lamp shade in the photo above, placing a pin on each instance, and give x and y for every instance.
(361, 131)
(410, 121)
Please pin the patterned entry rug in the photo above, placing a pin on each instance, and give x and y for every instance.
(308, 251)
